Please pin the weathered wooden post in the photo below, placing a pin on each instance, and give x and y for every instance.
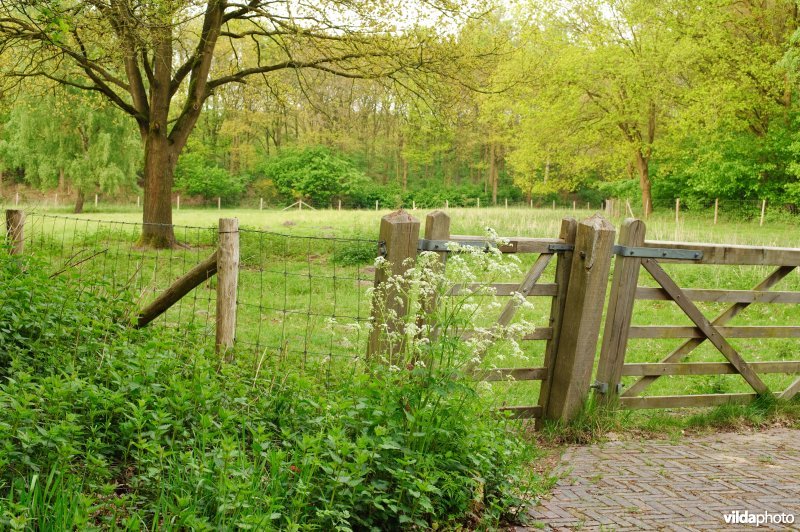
(763, 210)
(178, 202)
(15, 231)
(583, 312)
(437, 227)
(677, 210)
(620, 311)
(138, 201)
(227, 284)
(399, 235)
(479, 203)
(563, 266)
(716, 210)
(96, 200)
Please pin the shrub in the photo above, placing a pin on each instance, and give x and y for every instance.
(196, 176)
(315, 174)
(103, 425)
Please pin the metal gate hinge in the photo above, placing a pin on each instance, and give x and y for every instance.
(560, 248)
(602, 387)
(658, 253)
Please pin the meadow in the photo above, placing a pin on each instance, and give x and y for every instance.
(305, 275)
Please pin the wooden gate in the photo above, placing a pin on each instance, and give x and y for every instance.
(582, 254)
(633, 253)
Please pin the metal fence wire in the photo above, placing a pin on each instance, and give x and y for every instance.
(302, 300)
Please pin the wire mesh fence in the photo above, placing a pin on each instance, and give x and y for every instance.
(302, 300)
(104, 256)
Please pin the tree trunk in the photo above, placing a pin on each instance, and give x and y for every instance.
(643, 167)
(159, 167)
(79, 202)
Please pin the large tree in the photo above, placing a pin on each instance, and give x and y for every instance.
(160, 61)
(70, 138)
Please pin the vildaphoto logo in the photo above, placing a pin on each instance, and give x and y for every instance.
(747, 517)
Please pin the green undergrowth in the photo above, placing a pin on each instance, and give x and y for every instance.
(106, 427)
(596, 422)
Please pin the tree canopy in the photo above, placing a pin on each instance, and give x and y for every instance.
(529, 99)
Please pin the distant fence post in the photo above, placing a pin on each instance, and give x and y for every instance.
(227, 283)
(563, 266)
(15, 230)
(583, 312)
(399, 234)
(716, 210)
(763, 210)
(620, 310)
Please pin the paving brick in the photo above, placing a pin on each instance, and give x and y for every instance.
(684, 485)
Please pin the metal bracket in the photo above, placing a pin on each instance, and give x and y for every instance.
(602, 387)
(658, 253)
(560, 248)
(382, 251)
(443, 245)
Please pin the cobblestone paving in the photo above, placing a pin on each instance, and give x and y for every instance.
(675, 485)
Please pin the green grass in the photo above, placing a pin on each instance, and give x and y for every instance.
(304, 299)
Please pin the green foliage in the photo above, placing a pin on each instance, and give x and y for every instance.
(102, 425)
(72, 134)
(315, 174)
(354, 253)
(196, 176)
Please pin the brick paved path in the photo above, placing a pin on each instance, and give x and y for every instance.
(682, 485)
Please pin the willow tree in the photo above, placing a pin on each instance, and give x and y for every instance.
(69, 137)
(160, 61)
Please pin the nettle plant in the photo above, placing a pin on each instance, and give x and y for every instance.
(444, 318)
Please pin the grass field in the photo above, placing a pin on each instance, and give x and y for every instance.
(303, 298)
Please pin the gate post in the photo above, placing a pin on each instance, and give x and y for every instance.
(563, 266)
(437, 227)
(620, 310)
(15, 231)
(583, 312)
(399, 233)
(227, 284)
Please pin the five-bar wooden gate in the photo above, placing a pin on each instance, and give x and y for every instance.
(633, 253)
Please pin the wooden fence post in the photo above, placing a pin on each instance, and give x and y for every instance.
(583, 312)
(227, 283)
(763, 210)
(437, 227)
(15, 230)
(620, 310)
(677, 210)
(563, 266)
(399, 234)
(716, 210)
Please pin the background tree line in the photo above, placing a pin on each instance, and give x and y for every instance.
(649, 100)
